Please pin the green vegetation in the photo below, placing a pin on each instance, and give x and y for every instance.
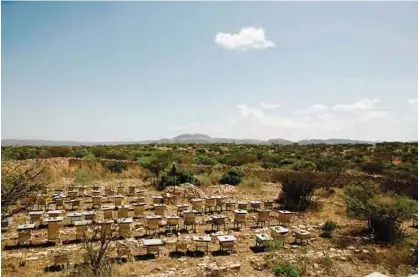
(328, 227)
(286, 270)
(232, 177)
(384, 211)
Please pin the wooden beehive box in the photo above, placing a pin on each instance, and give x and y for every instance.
(54, 230)
(160, 210)
(173, 220)
(123, 212)
(25, 236)
(197, 204)
(240, 217)
(119, 200)
(97, 201)
(108, 214)
(153, 224)
(139, 209)
(72, 194)
(125, 229)
(210, 202)
(189, 218)
(264, 215)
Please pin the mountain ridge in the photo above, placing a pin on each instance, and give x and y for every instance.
(182, 138)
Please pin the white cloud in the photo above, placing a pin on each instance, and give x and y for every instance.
(364, 119)
(361, 105)
(312, 109)
(247, 38)
(413, 101)
(267, 106)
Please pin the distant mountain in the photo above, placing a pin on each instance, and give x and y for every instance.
(279, 141)
(333, 141)
(184, 138)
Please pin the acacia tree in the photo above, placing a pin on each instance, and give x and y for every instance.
(156, 164)
(383, 211)
(97, 244)
(18, 182)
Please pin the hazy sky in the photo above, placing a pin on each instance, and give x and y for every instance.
(141, 70)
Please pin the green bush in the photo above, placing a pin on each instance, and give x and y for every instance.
(83, 177)
(232, 177)
(176, 177)
(117, 167)
(373, 168)
(298, 189)
(286, 270)
(383, 211)
(328, 228)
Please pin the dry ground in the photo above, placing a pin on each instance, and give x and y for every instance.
(346, 254)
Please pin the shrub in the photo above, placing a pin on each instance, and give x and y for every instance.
(372, 168)
(298, 189)
(232, 177)
(83, 177)
(328, 228)
(176, 177)
(384, 211)
(286, 270)
(117, 167)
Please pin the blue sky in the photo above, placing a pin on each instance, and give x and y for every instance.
(142, 70)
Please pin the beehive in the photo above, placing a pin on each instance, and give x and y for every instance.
(153, 223)
(123, 211)
(119, 200)
(229, 206)
(173, 221)
(243, 205)
(285, 216)
(139, 209)
(108, 191)
(125, 227)
(120, 190)
(54, 230)
(158, 199)
(35, 216)
(25, 237)
(72, 194)
(160, 209)
(97, 201)
(240, 217)
(108, 213)
(59, 202)
(131, 190)
(210, 203)
(197, 204)
(189, 218)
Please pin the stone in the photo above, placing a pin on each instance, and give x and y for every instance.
(332, 249)
(236, 266)
(365, 251)
(351, 248)
(302, 226)
(342, 258)
(316, 266)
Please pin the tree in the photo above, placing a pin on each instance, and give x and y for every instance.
(97, 246)
(83, 177)
(384, 211)
(232, 177)
(157, 163)
(18, 182)
(298, 189)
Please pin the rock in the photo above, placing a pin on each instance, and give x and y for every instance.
(302, 226)
(351, 248)
(365, 251)
(236, 266)
(316, 266)
(357, 251)
(332, 249)
(342, 258)
(295, 246)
